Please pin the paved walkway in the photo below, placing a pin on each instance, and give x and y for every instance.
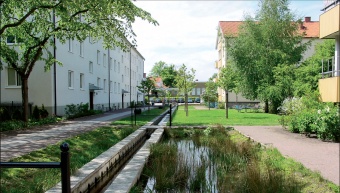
(311, 152)
(26, 141)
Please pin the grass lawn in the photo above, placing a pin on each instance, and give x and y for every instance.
(141, 119)
(197, 116)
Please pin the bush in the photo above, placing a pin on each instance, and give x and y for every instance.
(80, 110)
(221, 105)
(36, 113)
(308, 115)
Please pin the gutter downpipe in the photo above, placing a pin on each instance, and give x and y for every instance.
(130, 89)
(54, 68)
(109, 68)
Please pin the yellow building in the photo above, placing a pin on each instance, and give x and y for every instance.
(329, 85)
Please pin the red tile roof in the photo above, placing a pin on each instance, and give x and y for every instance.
(311, 28)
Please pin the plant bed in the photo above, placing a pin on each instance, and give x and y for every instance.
(219, 160)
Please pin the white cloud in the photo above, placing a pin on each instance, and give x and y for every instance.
(187, 30)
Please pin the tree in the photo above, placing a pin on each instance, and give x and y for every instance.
(307, 74)
(157, 69)
(210, 93)
(146, 87)
(166, 71)
(185, 83)
(33, 25)
(265, 43)
(228, 80)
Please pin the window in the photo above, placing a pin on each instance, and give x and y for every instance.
(81, 81)
(111, 86)
(13, 77)
(13, 39)
(193, 91)
(91, 67)
(105, 87)
(98, 57)
(70, 79)
(119, 88)
(115, 88)
(70, 45)
(110, 63)
(122, 78)
(122, 59)
(118, 67)
(98, 82)
(115, 66)
(81, 49)
(198, 91)
(104, 60)
(91, 39)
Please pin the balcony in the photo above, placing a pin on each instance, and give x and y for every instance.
(330, 23)
(329, 85)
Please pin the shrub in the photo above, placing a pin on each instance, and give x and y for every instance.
(327, 123)
(36, 113)
(79, 110)
(43, 112)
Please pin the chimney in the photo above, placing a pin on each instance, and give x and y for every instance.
(307, 19)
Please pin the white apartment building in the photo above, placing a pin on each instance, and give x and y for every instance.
(104, 78)
(230, 29)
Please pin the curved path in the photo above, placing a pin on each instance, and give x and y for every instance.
(312, 153)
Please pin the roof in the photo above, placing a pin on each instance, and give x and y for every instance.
(311, 28)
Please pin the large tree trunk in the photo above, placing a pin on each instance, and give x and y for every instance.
(24, 94)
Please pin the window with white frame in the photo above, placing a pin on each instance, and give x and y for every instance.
(81, 49)
(115, 87)
(119, 88)
(198, 91)
(70, 79)
(13, 77)
(118, 67)
(105, 87)
(70, 45)
(193, 91)
(122, 78)
(122, 59)
(111, 86)
(124, 69)
(110, 63)
(104, 60)
(13, 40)
(98, 82)
(98, 57)
(91, 67)
(115, 66)
(81, 81)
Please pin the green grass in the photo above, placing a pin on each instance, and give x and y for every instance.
(83, 148)
(218, 116)
(141, 119)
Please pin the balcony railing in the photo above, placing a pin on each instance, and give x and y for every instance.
(328, 68)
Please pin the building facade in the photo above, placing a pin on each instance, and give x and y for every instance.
(329, 85)
(104, 78)
(230, 29)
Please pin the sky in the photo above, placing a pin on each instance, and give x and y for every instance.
(187, 30)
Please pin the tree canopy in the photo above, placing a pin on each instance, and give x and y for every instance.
(147, 86)
(265, 46)
(185, 83)
(166, 71)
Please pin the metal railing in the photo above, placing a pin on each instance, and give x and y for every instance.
(64, 166)
(328, 69)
